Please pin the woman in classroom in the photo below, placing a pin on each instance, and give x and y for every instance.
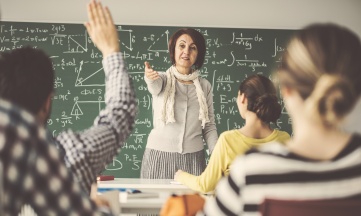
(319, 76)
(182, 110)
(258, 105)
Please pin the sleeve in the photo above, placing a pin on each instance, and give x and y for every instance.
(89, 151)
(208, 180)
(156, 86)
(228, 200)
(45, 183)
(210, 131)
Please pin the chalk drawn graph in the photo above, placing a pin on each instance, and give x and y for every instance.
(160, 44)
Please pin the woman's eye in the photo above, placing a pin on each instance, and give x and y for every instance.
(193, 48)
(182, 46)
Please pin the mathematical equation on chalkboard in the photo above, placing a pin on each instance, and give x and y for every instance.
(231, 56)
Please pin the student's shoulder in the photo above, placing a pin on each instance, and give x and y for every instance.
(229, 133)
(226, 137)
(283, 135)
(12, 115)
(272, 148)
(20, 122)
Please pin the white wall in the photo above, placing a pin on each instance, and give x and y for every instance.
(283, 14)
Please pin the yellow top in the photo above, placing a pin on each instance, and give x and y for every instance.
(229, 145)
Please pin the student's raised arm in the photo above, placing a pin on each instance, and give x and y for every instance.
(89, 151)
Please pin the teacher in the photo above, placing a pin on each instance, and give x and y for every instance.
(183, 112)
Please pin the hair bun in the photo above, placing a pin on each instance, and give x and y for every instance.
(332, 98)
(267, 108)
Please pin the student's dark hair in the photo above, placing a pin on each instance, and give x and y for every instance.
(323, 64)
(198, 40)
(262, 97)
(26, 77)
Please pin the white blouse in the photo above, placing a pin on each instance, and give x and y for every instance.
(185, 135)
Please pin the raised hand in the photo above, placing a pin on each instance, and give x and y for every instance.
(149, 72)
(101, 29)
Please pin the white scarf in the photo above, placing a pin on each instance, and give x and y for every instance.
(169, 92)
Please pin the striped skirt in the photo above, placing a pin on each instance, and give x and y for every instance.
(163, 165)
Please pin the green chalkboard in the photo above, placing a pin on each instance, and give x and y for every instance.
(232, 54)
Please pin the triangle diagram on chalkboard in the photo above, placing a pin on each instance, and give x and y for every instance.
(76, 111)
(77, 43)
(126, 38)
(88, 76)
(160, 44)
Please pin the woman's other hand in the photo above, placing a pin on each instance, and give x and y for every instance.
(177, 174)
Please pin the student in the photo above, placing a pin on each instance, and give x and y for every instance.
(27, 77)
(33, 172)
(320, 77)
(258, 104)
(182, 111)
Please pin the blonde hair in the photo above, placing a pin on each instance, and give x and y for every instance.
(331, 99)
(323, 64)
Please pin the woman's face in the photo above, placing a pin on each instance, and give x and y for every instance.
(186, 51)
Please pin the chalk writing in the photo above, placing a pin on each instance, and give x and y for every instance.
(231, 55)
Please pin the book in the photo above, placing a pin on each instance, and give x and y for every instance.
(105, 178)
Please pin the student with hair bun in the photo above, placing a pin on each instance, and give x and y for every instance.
(258, 105)
(320, 78)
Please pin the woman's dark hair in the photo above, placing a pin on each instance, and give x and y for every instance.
(198, 39)
(262, 98)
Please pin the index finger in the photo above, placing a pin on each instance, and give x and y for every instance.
(94, 10)
(100, 12)
(90, 13)
(108, 16)
(146, 64)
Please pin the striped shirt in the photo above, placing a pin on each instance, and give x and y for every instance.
(273, 171)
